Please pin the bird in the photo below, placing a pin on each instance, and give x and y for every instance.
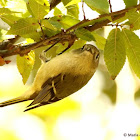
(60, 77)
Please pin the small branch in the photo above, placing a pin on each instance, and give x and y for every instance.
(110, 6)
(13, 40)
(41, 29)
(21, 50)
(52, 45)
(76, 25)
(7, 44)
(83, 10)
(104, 22)
(116, 25)
(71, 42)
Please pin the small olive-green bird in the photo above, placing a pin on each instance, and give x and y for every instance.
(60, 77)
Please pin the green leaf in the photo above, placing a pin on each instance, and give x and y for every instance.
(132, 43)
(55, 23)
(37, 10)
(6, 11)
(130, 3)
(101, 6)
(134, 19)
(46, 23)
(9, 19)
(57, 12)
(33, 35)
(1, 35)
(60, 47)
(68, 21)
(114, 52)
(50, 32)
(65, 2)
(70, 2)
(43, 2)
(100, 41)
(25, 65)
(73, 10)
(23, 26)
(94, 21)
(84, 34)
(3, 2)
(78, 44)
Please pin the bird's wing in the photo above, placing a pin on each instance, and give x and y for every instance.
(41, 104)
(47, 94)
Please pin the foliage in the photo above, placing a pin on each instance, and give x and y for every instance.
(25, 65)
(33, 21)
(114, 52)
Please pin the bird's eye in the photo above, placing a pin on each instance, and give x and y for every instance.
(97, 56)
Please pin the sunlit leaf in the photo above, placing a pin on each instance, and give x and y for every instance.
(60, 47)
(57, 11)
(25, 65)
(134, 19)
(3, 2)
(100, 41)
(78, 44)
(9, 19)
(94, 21)
(84, 34)
(100, 6)
(36, 36)
(65, 2)
(48, 24)
(130, 3)
(23, 26)
(38, 10)
(43, 2)
(6, 11)
(55, 23)
(49, 32)
(132, 43)
(71, 2)
(68, 21)
(114, 52)
(73, 10)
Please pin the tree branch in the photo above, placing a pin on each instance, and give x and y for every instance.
(67, 35)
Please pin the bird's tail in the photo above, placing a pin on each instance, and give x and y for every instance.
(12, 101)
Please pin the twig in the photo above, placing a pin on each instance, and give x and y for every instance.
(21, 50)
(41, 29)
(77, 25)
(71, 42)
(110, 6)
(83, 10)
(117, 25)
(52, 45)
